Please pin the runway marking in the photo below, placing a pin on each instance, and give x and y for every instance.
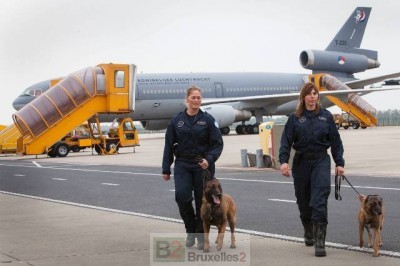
(35, 163)
(290, 201)
(18, 175)
(221, 178)
(172, 190)
(109, 184)
(244, 231)
(59, 179)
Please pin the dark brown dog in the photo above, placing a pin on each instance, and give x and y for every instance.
(217, 209)
(371, 216)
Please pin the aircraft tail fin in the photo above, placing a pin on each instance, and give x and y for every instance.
(351, 34)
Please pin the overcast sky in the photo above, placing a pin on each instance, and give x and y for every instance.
(42, 39)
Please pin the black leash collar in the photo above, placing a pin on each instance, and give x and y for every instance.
(338, 182)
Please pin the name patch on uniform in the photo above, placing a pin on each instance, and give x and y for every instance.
(302, 119)
(201, 123)
(180, 124)
(322, 118)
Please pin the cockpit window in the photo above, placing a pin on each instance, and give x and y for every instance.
(32, 92)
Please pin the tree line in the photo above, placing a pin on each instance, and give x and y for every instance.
(389, 117)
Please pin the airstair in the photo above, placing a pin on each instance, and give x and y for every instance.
(106, 88)
(353, 104)
(8, 139)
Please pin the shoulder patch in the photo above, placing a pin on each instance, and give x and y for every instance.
(180, 124)
(216, 124)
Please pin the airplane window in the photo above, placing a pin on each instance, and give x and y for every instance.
(38, 92)
(119, 77)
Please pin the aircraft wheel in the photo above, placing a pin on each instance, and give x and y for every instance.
(356, 126)
(240, 130)
(249, 129)
(62, 150)
(255, 128)
(225, 130)
(363, 127)
(346, 127)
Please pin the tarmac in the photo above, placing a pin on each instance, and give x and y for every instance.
(36, 231)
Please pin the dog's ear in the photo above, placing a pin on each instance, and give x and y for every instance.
(362, 197)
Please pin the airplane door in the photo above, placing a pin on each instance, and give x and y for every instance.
(218, 90)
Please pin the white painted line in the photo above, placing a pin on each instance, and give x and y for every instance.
(35, 163)
(110, 184)
(59, 179)
(157, 175)
(251, 232)
(172, 190)
(290, 201)
(18, 175)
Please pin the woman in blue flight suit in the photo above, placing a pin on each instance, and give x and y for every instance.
(194, 138)
(311, 130)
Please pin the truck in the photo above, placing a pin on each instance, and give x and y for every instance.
(121, 133)
(346, 120)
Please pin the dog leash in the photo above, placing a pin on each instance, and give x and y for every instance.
(338, 182)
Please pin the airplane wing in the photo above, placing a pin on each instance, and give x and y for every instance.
(282, 98)
(364, 82)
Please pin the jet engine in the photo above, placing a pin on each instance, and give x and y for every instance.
(155, 124)
(331, 61)
(226, 115)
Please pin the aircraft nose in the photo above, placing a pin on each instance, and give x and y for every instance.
(20, 102)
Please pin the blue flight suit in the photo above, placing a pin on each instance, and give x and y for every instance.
(190, 138)
(311, 135)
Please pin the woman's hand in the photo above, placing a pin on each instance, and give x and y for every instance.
(339, 170)
(203, 164)
(285, 170)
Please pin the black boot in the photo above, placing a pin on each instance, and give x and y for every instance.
(319, 239)
(190, 239)
(200, 241)
(308, 234)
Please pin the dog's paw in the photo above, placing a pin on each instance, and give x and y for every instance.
(375, 255)
(361, 244)
(380, 244)
(233, 246)
(219, 247)
(206, 249)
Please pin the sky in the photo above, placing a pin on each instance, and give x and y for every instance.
(43, 39)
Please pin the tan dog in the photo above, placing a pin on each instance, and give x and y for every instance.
(371, 216)
(217, 209)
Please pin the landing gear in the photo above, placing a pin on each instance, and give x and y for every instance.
(225, 130)
(247, 129)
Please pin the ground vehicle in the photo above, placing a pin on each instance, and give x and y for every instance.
(122, 133)
(346, 120)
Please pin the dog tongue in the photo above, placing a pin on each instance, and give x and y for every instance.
(216, 200)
